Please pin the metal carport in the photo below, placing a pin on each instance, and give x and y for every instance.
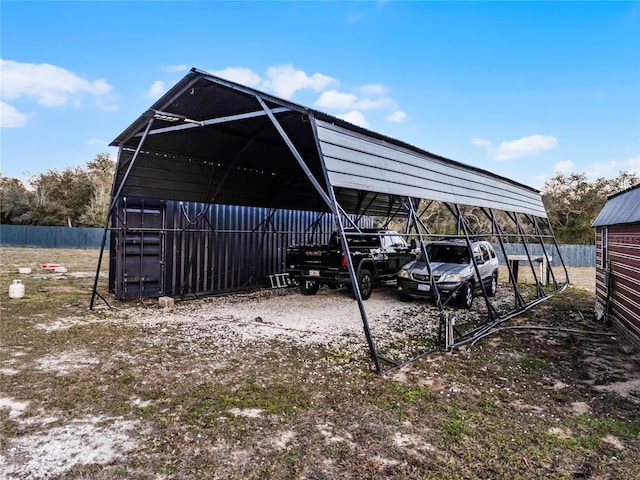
(210, 140)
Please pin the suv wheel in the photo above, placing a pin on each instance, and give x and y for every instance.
(365, 282)
(493, 286)
(309, 287)
(466, 296)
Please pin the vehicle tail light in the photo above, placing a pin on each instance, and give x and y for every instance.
(344, 261)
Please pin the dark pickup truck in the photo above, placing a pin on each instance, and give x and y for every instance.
(377, 256)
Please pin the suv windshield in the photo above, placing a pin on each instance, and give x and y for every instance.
(447, 253)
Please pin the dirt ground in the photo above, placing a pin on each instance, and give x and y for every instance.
(270, 384)
(583, 278)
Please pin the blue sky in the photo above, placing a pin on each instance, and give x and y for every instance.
(522, 89)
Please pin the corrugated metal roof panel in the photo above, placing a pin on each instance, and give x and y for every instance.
(360, 162)
(623, 207)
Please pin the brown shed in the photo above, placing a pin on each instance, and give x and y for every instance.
(618, 263)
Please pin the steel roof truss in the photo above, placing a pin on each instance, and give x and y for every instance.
(213, 121)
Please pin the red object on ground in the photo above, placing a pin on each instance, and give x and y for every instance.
(50, 266)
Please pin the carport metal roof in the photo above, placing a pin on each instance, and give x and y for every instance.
(214, 141)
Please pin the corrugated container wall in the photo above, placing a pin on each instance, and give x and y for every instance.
(180, 248)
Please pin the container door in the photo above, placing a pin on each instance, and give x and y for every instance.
(139, 249)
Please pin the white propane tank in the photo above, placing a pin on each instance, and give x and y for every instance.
(16, 289)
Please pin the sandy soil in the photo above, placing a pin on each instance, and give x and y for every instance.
(231, 323)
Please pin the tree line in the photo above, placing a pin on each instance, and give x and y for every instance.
(73, 197)
(79, 197)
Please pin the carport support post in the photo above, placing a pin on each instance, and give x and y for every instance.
(555, 243)
(519, 301)
(331, 202)
(356, 288)
(523, 236)
(463, 222)
(540, 235)
(114, 201)
(434, 288)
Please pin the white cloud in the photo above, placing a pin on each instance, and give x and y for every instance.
(10, 117)
(176, 68)
(157, 89)
(285, 81)
(372, 89)
(480, 142)
(97, 142)
(521, 147)
(397, 116)
(355, 117)
(566, 167)
(379, 103)
(244, 76)
(524, 147)
(612, 168)
(51, 86)
(338, 100)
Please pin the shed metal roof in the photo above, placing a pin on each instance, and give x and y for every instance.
(214, 141)
(623, 207)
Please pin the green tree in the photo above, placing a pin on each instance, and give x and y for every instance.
(60, 197)
(572, 203)
(72, 197)
(15, 201)
(100, 171)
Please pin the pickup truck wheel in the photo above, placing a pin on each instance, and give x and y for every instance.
(466, 296)
(404, 297)
(493, 286)
(309, 287)
(365, 282)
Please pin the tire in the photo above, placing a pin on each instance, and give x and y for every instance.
(365, 283)
(493, 286)
(309, 287)
(466, 296)
(404, 297)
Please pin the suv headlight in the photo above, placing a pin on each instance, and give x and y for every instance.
(402, 273)
(452, 278)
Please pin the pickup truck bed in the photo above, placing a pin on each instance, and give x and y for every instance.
(377, 255)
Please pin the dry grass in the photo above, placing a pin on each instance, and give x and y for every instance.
(136, 392)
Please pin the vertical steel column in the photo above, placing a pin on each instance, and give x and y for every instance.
(333, 204)
(432, 281)
(519, 301)
(555, 244)
(114, 200)
(539, 291)
(465, 228)
(538, 231)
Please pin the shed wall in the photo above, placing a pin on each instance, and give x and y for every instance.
(623, 262)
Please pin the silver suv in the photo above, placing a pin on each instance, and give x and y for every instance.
(453, 272)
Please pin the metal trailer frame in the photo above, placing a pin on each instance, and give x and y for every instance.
(398, 197)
